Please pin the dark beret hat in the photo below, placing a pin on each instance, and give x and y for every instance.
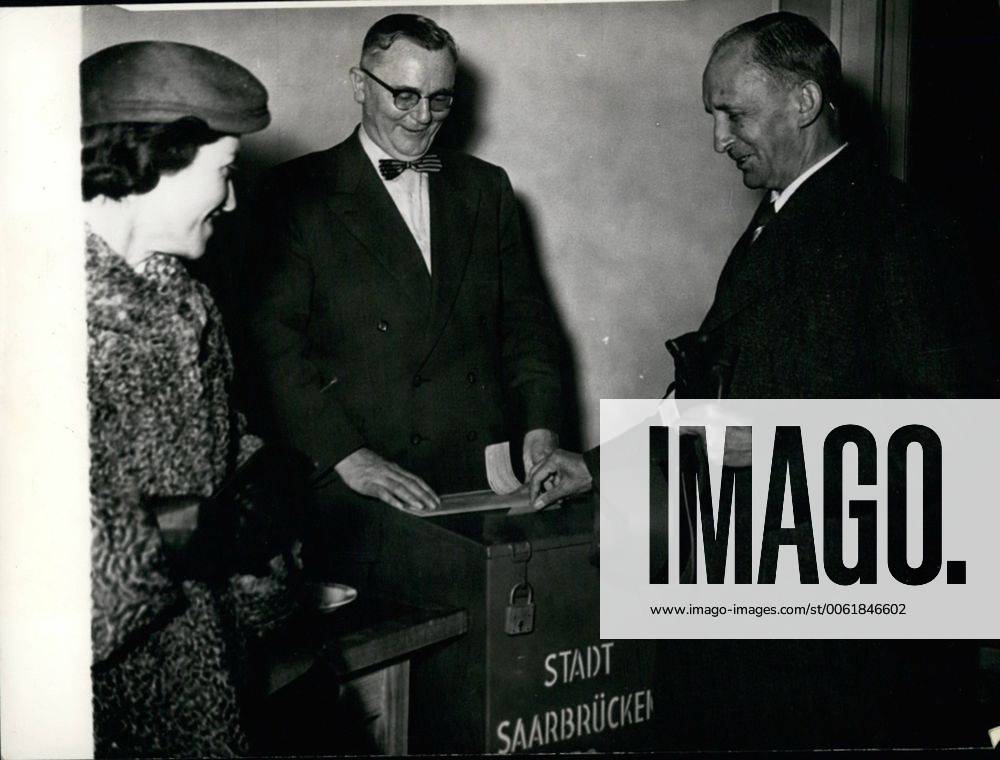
(164, 81)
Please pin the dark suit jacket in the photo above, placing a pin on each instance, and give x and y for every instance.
(854, 290)
(357, 345)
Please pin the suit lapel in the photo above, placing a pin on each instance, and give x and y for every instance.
(454, 212)
(732, 292)
(366, 210)
(762, 270)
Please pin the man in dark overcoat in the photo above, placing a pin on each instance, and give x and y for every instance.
(843, 286)
(402, 326)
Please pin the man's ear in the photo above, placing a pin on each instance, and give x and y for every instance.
(809, 102)
(358, 84)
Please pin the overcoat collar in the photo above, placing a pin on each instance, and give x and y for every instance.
(163, 302)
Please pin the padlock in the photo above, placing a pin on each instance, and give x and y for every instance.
(520, 617)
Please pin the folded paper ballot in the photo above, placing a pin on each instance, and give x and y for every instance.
(500, 470)
(481, 501)
(507, 491)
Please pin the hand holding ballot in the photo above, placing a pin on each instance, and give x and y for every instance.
(538, 445)
(561, 474)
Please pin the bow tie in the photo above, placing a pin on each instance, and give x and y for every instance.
(390, 168)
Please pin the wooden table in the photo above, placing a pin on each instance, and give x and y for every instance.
(367, 645)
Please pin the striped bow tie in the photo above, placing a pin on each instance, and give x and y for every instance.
(390, 168)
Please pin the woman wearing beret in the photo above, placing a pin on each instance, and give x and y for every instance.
(161, 126)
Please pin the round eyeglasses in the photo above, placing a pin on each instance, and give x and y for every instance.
(406, 98)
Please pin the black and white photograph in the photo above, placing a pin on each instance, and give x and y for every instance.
(345, 285)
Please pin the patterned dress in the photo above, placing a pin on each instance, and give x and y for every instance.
(160, 425)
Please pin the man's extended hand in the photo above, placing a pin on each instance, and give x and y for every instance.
(367, 473)
(739, 446)
(538, 444)
(562, 473)
(738, 449)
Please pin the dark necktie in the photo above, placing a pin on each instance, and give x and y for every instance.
(765, 213)
(390, 168)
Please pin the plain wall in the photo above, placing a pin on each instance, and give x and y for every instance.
(594, 110)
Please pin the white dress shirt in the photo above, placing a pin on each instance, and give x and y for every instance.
(410, 192)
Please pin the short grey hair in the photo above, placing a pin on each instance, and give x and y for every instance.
(791, 48)
(419, 29)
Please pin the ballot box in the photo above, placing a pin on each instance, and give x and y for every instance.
(532, 673)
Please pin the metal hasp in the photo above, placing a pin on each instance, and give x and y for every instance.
(520, 614)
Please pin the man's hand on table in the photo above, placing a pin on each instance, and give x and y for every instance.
(367, 473)
(561, 474)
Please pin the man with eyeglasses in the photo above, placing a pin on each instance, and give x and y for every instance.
(402, 327)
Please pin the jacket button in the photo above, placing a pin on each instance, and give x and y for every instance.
(418, 380)
(416, 438)
(471, 378)
(470, 436)
(383, 326)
